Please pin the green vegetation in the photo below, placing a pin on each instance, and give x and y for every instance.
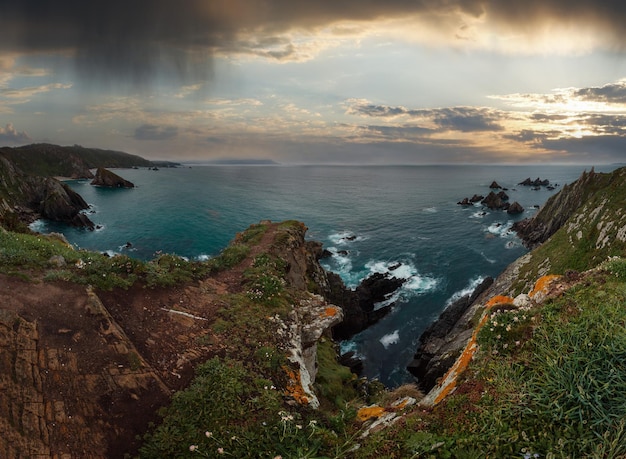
(33, 255)
(246, 402)
(66, 161)
(547, 382)
(595, 231)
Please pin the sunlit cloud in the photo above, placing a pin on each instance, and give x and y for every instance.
(607, 98)
(11, 136)
(26, 94)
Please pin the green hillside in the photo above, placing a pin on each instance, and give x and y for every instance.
(49, 160)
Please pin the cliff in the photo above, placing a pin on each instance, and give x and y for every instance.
(91, 347)
(237, 351)
(28, 189)
(25, 197)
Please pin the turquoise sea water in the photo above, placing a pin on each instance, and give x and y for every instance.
(404, 215)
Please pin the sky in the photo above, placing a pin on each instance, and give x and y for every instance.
(326, 81)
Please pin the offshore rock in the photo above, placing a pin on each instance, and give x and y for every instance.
(515, 208)
(535, 183)
(106, 178)
(437, 349)
(359, 305)
(493, 201)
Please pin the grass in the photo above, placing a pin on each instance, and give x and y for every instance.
(239, 405)
(557, 390)
(26, 255)
(547, 381)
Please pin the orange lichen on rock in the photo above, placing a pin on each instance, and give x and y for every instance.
(294, 386)
(499, 299)
(368, 412)
(330, 312)
(448, 382)
(543, 283)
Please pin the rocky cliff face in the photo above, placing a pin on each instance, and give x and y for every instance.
(558, 209)
(31, 197)
(576, 230)
(83, 372)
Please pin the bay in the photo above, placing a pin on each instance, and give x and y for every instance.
(371, 218)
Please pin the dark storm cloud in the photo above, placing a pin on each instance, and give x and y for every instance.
(610, 93)
(10, 136)
(133, 39)
(153, 132)
(464, 119)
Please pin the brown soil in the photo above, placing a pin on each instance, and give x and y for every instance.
(83, 373)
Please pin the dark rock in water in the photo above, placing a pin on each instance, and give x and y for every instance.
(492, 201)
(477, 198)
(350, 360)
(502, 195)
(57, 201)
(106, 178)
(465, 202)
(515, 208)
(375, 289)
(494, 185)
(325, 254)
(430, 361)
(343, 253)
(358, 305)
(535, 183)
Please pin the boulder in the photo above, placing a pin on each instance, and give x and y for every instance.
(477, 198)
(464, 202)
(493, 201)
(502, 195)
(494, 185)
(106, 178)
(515, 208)
(358, 305)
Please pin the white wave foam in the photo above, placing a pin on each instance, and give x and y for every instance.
(489, 260)
(479, 214)
(37, 226)
(350, 346)
(414, 283)
(345, 237)
(475, 282)
(430, 210)
(203, 257)
(112, 253)
(391, 338)
(501, 229)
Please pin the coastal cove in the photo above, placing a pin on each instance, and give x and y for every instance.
(372, 219)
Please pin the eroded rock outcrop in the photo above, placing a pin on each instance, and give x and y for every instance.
(359, 305)
(106, 178)
(555, 212)
(35, 197)
(441, 342)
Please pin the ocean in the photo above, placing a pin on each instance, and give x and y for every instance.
(370, 217)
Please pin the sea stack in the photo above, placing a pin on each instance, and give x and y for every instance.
(106, 178)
